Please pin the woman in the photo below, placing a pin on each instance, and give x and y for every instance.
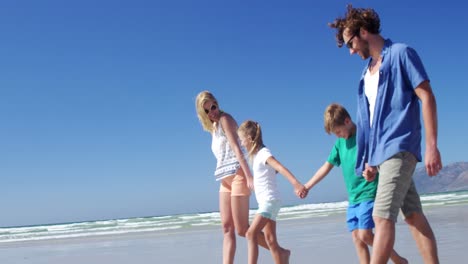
(231, 170)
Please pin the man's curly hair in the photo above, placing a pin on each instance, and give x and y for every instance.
(355, 19)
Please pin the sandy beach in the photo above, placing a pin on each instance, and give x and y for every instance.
(311, 240)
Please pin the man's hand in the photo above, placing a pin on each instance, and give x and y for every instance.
(369, 173)
(432, 161)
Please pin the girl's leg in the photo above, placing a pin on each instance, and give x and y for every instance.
(229, 240)
(280, 255)
(253, 233)
(240, 214)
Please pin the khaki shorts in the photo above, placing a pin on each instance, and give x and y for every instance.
(235, 184)
(396, 188)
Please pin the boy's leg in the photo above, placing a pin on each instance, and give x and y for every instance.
(394, 181)
(361, 247)
(354, 215)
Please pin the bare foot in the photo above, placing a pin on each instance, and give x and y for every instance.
(285, 254)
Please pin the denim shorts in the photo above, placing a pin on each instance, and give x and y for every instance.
(269, 209)
(359, 216)
(396, 189)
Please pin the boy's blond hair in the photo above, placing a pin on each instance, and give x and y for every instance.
(335, 115)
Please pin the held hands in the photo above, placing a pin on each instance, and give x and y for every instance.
(369, 173)
(300, 190)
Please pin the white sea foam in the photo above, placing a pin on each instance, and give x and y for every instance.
(199, 220)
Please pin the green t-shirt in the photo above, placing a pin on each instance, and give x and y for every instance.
(344, 154)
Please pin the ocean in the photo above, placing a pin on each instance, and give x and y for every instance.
(187, 221)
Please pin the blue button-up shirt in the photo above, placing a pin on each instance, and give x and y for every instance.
(396, 125)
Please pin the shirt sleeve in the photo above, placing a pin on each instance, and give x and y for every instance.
(263, 155)
(414, 68)
(334, 157)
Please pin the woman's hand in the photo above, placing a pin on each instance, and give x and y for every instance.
(250, 183)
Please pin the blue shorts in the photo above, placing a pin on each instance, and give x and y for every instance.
(269, 209)
(359, 216)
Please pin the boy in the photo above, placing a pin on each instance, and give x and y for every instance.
(361, 193)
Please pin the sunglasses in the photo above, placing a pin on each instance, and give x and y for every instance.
(349, 44)
(212, 108)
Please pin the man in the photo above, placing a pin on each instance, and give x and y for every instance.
(389, 129)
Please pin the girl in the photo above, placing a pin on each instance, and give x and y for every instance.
(265, 167)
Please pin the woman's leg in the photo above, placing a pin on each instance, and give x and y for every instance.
(229, 240)
(240, 207)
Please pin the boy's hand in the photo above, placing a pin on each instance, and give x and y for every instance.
(369, 173)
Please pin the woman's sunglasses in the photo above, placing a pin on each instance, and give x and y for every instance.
(212, 108)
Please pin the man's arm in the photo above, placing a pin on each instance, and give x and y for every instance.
(432, 159)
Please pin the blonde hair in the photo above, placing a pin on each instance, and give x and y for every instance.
(335, 115)
(252, 130)
(201, 99)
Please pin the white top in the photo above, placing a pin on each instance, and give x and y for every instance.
(226, 160)
(371, 85)
(264, 177)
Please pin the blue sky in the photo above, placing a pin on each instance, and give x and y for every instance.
(97, 97)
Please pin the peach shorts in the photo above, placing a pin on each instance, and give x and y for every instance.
(235, 184)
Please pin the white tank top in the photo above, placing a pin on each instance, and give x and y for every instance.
(371, 85)
(227, 163)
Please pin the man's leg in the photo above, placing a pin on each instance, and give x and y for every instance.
(424, 237)
(384, 240)
(419, 226)
(394, 182)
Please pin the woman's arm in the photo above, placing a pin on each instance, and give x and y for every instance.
(229, 126)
